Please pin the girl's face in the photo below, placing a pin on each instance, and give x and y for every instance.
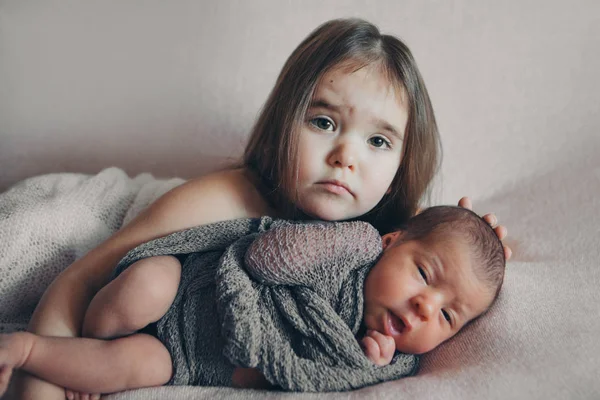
(350, 144)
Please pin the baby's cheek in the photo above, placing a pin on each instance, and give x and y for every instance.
(435, 342)
(417, 343)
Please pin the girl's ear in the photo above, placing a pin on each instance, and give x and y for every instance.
(391, 238)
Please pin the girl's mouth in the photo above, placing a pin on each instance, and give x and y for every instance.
(336, 187)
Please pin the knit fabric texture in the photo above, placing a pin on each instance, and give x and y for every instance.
(285, 298)
(49, 221)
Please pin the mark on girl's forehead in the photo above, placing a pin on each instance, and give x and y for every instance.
(331, 81)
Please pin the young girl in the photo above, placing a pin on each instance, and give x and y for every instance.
(348, 132)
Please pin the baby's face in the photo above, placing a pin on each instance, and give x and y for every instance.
(422, 293)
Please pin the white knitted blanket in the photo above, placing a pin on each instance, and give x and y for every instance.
(48, 221)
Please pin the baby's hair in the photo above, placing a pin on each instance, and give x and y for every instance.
(271, 153)
(438, 222)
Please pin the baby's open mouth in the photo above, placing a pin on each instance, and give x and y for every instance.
(396, 324)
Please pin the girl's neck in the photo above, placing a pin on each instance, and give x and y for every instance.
(270, 206)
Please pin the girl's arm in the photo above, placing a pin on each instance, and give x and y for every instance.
(216, 197)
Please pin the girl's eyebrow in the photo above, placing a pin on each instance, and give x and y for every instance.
(320, 103)
(379, 123)
(386, 126)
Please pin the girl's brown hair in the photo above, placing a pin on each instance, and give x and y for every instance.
(271, 153)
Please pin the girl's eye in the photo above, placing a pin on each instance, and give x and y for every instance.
(378, 141)
(447, 315)
(322, 123)
(423, 274)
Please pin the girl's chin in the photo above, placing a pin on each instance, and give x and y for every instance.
(328, 212)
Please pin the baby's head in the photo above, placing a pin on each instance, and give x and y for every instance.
(435, 276)
(361, 90)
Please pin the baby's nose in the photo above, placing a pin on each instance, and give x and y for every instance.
(425, 306)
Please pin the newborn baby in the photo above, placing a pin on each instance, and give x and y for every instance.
(316, 306)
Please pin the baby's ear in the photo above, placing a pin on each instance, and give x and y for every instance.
(391, 238)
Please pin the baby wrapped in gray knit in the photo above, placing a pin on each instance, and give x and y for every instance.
(312, 306)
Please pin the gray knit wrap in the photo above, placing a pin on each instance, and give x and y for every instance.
(285, 298)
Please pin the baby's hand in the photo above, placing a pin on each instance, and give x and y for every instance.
(378, 348)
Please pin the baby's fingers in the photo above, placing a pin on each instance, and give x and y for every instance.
(370, 347)
(386, 344)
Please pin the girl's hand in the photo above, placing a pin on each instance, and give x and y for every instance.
(14, 351)
(5, 374)
(491, 219)
(378, 347)
(71, 395)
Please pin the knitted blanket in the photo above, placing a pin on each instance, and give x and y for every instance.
(48, 221)
(285, 298)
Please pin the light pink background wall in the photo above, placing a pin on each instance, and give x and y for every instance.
(173, 87)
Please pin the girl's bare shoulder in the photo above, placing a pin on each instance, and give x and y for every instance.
(214, 197)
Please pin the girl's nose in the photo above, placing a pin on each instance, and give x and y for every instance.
(343, 156)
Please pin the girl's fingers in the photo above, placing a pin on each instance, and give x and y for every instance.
(491, 219)
(507, 253)
(501, 231)
(5, 374)
(465, 202)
